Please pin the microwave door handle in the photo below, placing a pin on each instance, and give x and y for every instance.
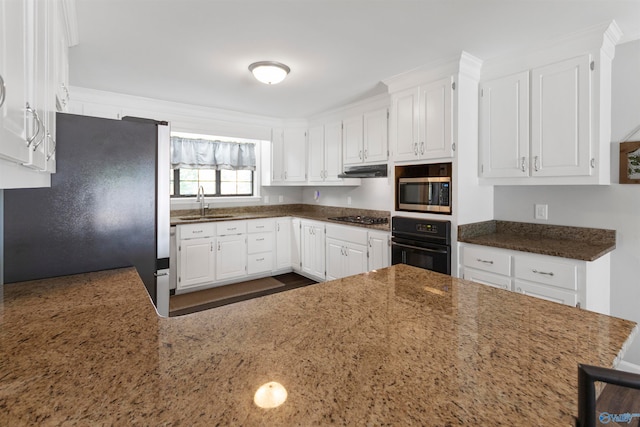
(435, 251)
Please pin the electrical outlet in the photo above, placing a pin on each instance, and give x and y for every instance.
(280, 198)
(349, 201)
(266, 200)
(541, 212)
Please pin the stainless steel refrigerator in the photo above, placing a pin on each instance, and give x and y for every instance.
(108, 206)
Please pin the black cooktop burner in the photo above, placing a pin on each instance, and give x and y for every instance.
(367, 220)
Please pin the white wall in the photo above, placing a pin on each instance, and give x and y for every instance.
(612, 207)
(374, 194)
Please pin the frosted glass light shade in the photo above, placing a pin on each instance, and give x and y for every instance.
(269, 72)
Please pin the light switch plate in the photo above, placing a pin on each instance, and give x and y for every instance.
(541, 212)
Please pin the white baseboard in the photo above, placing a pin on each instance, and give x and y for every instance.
(629, 367)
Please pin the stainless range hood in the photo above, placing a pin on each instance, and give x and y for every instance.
(364, 171)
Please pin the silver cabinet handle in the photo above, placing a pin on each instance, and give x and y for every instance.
(536, 163)
(37, 125)
(421, 148)
(523, 165)
(3, 91)
(366, 154)
(360, 154)
(219, 248)
(415, 148)
(484, 261)
(543, 272)
(519, 290)
(55, 145)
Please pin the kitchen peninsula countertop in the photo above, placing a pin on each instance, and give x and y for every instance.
(586, 244)
(314, 212)
(400, 346)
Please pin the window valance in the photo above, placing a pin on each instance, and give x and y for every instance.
(208, 154)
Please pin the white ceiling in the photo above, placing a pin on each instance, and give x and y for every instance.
(339, 51)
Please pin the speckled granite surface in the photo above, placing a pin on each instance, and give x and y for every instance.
(316, 212)
(586, 244)
(401, 346)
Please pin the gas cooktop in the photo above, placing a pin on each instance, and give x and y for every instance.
(367, 220)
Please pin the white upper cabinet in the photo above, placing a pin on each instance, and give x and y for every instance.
(365, 137)
(504, 126)
(435, 119)
(405, 124)
(422, 121)
(560, 118)
(548, 120)
(325, 153)
(288, 155)
(31, 55)
(13, 81)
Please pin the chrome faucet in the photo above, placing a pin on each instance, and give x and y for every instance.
(200, 198)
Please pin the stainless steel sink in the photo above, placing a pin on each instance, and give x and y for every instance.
(198, 217)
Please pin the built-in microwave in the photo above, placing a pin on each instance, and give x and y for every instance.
(424, 194)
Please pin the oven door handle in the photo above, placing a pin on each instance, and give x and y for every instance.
(435, 251)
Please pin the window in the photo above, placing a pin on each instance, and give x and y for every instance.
(224, 167)
(216, 183)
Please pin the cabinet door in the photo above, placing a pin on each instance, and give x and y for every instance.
(313, 250)
(196, 262)
(231, 257)
(295, 148)
(355, 259)
(277, 156)
(284, 243)
(352, 140)
(504, 126)
(560, 118)
(296, 244)
(405, 124)
(335, 259)
(332, 151)
(546, 292)
(435, 120)
(379, 250)
(376, 135)
(489, 279)
(315, 150)
(13, 72)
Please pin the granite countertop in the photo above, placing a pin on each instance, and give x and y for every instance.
(586, 244)
(400, 346)
(314, 212)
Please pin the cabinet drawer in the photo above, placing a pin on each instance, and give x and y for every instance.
(196, 231)
(488, 260)
(489, 279)
(260, 242)
(550, 272)
(347, 234)
(260, 225)
(231, 227)
(548, 293)
(260, 263)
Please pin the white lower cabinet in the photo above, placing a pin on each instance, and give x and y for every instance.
(260, 245)
(225, 252)
(346, 251)
(572, 282)
(231, 253)
(196, 257)
(312, 242)
(379, 250)
(284, 243)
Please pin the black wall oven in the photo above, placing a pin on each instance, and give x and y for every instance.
(421, 243)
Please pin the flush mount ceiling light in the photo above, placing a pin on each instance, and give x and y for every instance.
(269, 72)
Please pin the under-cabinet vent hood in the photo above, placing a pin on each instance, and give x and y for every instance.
(364, 171)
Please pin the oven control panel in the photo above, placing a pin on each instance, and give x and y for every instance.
(427, 228)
